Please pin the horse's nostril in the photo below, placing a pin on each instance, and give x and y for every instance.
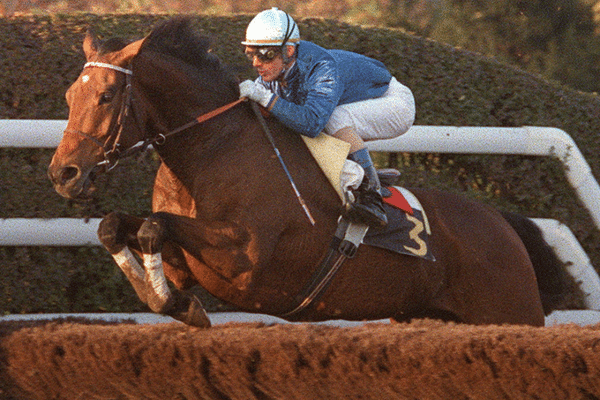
(67, 174)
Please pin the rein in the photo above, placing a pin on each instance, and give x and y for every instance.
(200, 119)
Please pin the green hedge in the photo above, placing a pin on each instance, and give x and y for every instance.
(41, 55)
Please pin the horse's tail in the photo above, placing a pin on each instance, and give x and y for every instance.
(554, 283)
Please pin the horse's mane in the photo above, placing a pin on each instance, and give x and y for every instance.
(177, 38)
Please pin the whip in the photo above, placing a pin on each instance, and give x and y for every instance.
(287, 172)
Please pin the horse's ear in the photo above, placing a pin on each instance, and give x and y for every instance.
(132, 49)
(90, 44)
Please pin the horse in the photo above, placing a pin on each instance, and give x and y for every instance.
(225, 217)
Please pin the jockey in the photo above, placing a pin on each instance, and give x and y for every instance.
(312, 90)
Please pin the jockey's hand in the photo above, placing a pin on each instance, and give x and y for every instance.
(255, 91)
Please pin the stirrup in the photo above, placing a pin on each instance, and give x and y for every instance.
(362, 214)
(370, 212)
(349, 235)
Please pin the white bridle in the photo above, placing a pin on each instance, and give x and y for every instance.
(109, 66)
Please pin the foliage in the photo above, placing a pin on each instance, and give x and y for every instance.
(41, 55)
(553, 38)
(36, 280)
(557, 39)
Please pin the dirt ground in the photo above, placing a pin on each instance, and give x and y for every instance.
(420, 360)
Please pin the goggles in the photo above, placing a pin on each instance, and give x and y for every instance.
(264, 54)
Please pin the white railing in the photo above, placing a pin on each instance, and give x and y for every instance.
(533, 141)
(49, 232)
(538, 141)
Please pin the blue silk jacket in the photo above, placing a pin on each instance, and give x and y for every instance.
(319, 81)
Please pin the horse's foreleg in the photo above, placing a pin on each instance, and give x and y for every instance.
(185, 307)
(118, 233)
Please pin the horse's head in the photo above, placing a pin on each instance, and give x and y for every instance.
(101, 121)
(174, 78)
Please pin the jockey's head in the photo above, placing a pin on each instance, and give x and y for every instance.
(271, 38)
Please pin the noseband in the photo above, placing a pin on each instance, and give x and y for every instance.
(112, 146)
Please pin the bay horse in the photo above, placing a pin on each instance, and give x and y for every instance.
(224, 215)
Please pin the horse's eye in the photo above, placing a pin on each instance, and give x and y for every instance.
(105, 97)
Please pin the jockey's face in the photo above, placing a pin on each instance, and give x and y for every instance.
(268, 61)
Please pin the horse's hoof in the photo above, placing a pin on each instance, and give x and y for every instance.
(189, 310)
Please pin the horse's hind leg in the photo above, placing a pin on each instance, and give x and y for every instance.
(118, 233)
(179, 305)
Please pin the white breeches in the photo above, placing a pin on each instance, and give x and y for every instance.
(385, 117)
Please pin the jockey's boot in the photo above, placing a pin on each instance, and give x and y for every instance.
(368, 206)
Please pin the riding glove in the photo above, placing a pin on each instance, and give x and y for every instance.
(256, 91)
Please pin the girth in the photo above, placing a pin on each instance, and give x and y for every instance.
(343, 246)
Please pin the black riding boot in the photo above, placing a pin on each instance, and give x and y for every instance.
(368, 207)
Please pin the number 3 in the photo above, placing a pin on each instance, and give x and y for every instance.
(414, 235)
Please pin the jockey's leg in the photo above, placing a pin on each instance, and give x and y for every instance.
(368, 207)
(384, 117)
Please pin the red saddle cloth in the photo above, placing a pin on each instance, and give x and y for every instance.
(396, 199)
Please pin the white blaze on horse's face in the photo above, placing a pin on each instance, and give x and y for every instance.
(95, 101)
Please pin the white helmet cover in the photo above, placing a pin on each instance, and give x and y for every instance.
(271, 28)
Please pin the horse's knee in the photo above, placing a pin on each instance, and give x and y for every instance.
(110, 233)
(152, 233)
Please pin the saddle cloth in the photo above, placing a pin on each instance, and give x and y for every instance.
(406, 232)
(408, 229)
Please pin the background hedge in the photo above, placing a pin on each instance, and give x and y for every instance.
(41, 55)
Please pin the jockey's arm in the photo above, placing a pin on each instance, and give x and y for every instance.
(324, 92)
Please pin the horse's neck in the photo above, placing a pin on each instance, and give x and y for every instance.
(230, 149)
(169, 88)
(223, 149)
(240, 166)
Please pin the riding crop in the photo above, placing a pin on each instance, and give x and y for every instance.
(287, 172)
